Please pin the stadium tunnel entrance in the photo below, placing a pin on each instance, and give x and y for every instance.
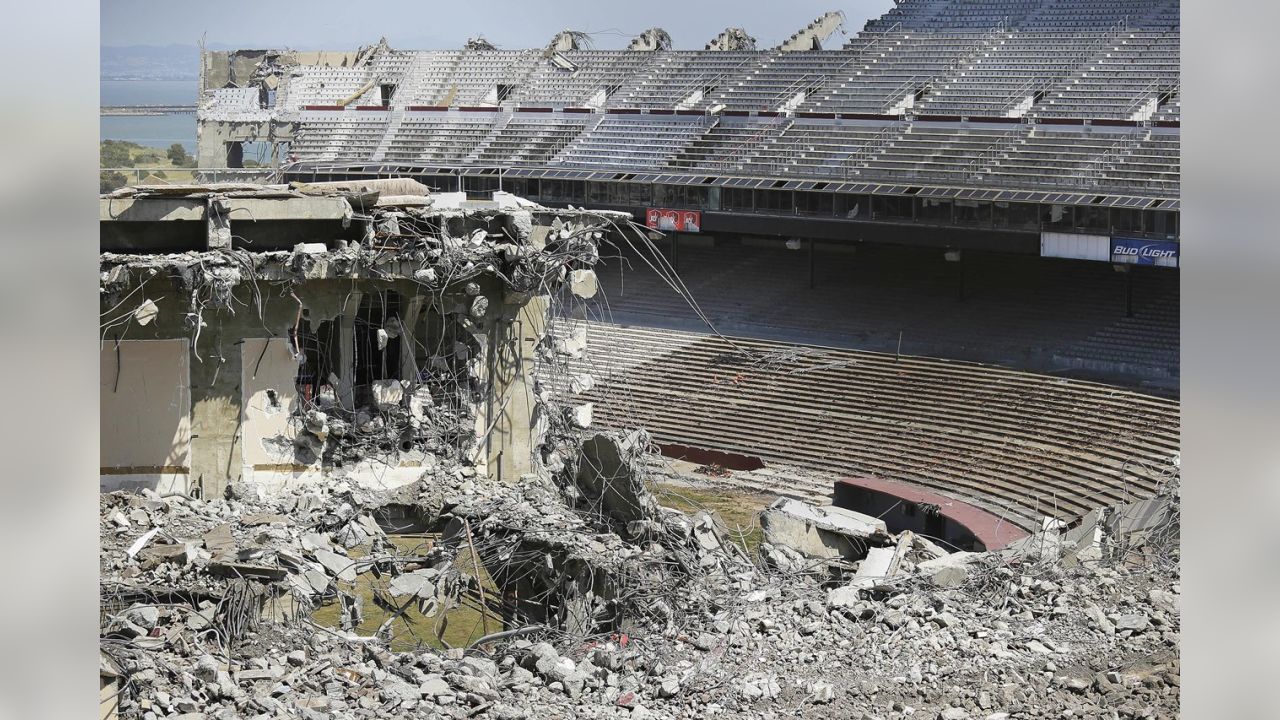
(956, 524)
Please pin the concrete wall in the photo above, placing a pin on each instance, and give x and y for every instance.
(212, 137)
(268, 398)
(509, 449)
(231, 430)
(145, 414)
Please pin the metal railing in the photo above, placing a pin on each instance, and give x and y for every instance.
(182, 176)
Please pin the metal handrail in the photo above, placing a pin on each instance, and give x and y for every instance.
(688, 89)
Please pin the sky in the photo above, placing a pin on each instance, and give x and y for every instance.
(427, 24)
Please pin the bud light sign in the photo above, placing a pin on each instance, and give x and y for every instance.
(689, 221)
(1144, 252)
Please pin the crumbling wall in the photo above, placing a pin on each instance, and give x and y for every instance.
(213, 136)
(269, 399)
(449, 305)
(145, 414)
(512, 441)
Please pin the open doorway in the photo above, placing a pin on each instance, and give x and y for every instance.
(377, 352)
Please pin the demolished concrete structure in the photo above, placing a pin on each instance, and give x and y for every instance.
(293, 375)
(820, 532)
(271, 334)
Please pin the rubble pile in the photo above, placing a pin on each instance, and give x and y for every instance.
(616, 608)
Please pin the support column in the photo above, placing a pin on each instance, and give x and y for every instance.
(409, 338)
(218, 224)
(514, 435)
(346, 352)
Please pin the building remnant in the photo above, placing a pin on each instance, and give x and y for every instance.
(655, 38)
(354, 329)
(815, 34)
(732, 38)
(660, 613)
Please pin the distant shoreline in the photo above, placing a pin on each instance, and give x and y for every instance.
(148, 78)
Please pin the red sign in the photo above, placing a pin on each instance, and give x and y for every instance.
(674, 220)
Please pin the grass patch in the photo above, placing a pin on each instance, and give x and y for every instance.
(465, 623)
(138, 163)
(738, 509)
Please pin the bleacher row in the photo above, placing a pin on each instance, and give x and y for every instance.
(1025, 311)
(993, 154)
(1007, 58)
(1052, 15)
(1101, 75)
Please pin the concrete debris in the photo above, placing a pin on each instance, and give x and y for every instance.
(145, 312)
(387, 394)
(654, 614)
(877, 566)
(339, 566)
(581, 383)
(820, 532)
(583, 283)
(310, 249)
(582, 415)
(949, 570)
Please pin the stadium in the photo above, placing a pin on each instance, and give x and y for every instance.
(955, 229)
(838, 378)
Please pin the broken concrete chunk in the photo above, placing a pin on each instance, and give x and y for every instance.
(141, 542)
(340, 566)
(581, 415)
(144, 616)
(949, 570)
(312, 541)
(219, 540)
(575, 344)
(1133, 622)
(583, 283)
(387, 394)
(843, 597)
(310, 249)
(875, 568)
(821, 692)
(420, 583)
(819, 532)
(146, 312)
(263, 519)
(581, 383)
(760, 686)
(178, 553)
(434, 687)
(419, 401)
(230, 569)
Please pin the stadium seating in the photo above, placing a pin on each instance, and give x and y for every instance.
(1007, 93)
(427, 139)
(339, 135)
(523, 141)
(1012, 311)
(626, 142)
